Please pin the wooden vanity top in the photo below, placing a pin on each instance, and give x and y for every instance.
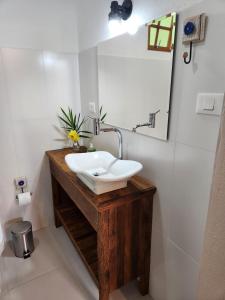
(136, 186)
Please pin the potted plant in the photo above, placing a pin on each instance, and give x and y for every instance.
(72, 124)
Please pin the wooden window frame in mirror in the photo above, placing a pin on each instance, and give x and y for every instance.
(158, 27)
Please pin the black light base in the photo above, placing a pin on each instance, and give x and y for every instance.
(123, 11)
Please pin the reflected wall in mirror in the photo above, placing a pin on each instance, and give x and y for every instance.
(134, 73)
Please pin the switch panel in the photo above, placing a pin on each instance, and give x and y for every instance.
(210, 104)
(92, 107)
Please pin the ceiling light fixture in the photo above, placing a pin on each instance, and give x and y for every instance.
(118, 14)
(123, 11)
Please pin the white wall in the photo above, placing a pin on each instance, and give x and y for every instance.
(182, 167)
(42, 24)
(38, 74)
(34, 84)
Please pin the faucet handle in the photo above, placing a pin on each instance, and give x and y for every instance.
(151, 122)
(152, 119)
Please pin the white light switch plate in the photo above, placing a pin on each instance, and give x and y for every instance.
(210, 104)
(92, 107)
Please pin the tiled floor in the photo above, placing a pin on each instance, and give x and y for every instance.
(54, 272)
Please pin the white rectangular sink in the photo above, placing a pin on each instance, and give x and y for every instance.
(101, 171)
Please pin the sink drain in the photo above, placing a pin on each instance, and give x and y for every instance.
(96, 174)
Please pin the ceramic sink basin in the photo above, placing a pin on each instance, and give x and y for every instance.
(101, 171)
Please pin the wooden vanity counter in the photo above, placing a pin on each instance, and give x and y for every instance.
(111, 232)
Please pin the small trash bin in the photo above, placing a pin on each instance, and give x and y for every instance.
(22, 239)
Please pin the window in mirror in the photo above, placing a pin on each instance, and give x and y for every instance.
(161, 33)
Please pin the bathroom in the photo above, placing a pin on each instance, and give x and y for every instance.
(50, 59)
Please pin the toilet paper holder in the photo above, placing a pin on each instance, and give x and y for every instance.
(21, 185)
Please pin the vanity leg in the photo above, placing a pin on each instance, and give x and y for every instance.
(103, 255)
(56, 200)
(145, 232)
(103, 295)
(57, 221)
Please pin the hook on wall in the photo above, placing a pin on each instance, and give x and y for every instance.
(185, 55)
(194, 32)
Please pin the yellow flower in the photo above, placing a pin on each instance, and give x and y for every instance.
(74, 136)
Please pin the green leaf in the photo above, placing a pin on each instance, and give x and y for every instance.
(78, 120)
(65, 114)
(103, 117)
(70, 115)
(63, 120)
(84, 136)
(74, 121)
(67, 128)
(84, 131)
(82, 122)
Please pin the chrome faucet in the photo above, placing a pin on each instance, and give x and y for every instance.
(97, 129)
(151, 122)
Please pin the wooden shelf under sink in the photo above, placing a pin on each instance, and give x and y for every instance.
(82, 235)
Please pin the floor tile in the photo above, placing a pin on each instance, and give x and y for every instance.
(57, 284)
(129, 292)
(49, 275)
(79, 271)
(44, 259)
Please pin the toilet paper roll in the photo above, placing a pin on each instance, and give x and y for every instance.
(24, 198)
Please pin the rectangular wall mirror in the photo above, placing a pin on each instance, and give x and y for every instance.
(134, 75)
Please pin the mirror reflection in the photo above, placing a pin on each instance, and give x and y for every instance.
(134, 73)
